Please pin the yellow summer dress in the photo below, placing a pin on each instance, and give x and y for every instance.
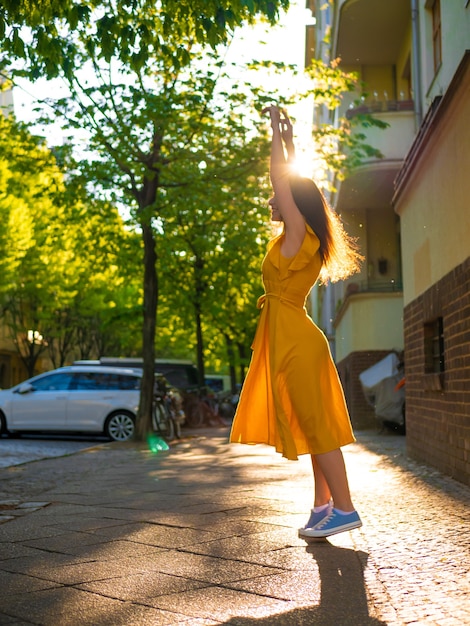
(292, 397)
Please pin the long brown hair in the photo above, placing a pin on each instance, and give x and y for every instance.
(338, 251)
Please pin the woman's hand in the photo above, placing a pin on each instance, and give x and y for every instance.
(280, 120)
(274, 113)
(287, 131)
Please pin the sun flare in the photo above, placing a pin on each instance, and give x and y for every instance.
(309, 164)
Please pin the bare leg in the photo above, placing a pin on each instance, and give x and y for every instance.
(333, 469)
(322, 491)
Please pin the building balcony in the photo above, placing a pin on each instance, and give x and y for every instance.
(373, 286)
(378, 106)
(369, 320)
(372, 184)
(394, 141)
(367, 32)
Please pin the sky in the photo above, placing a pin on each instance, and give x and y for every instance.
(284, 43)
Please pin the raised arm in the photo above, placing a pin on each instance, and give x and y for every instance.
(287, 134)
(294, 223)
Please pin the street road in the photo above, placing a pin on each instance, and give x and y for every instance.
(33, 448)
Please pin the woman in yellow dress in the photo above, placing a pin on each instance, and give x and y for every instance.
(292, 398)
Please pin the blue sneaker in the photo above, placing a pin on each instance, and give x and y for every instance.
(332, 524)
(315, 518)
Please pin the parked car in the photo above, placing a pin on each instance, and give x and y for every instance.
(75, 399)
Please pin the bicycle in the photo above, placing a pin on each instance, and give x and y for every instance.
(162, 420)
(200, 409)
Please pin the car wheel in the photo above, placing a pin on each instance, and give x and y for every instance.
(120, 426)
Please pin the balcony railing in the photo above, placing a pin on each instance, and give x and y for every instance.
(380, 106)
(368, 286)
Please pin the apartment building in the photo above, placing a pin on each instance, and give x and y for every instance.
(432, 198)
(410, 211)
(364, 315)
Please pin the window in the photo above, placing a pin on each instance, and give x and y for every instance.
(52, 382)
(128, 382)
(436, 34)
(85, 381)
(98, 381)
(434, 347)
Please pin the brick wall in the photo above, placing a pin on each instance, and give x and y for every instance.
(362, 414)
(438, 405)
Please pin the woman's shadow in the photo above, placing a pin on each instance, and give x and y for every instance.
(343, 592)
(343, 600)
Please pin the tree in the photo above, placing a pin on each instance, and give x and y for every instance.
(57, 269)
(103, 317)
(134, 32)
(28, 181)
(212, 234)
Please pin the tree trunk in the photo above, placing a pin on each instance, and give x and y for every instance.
(144, 417)
(199, 288)
(231, 363)
(32, 357)
(242, 355)
(31, 360)
(200, 349)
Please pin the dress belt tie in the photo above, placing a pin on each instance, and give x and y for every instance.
(299, 303)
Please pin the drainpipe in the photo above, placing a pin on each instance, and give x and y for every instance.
(416, 65)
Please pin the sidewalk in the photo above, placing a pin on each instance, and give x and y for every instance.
(206, 533)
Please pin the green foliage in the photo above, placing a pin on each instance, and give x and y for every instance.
(344, 148)
(61, 256)
(213, 242)
(134, 32)
(329, 82)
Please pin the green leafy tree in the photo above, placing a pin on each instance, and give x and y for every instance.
(28, 182)
(62, 254)
(212, 234)
(133, 32)
(104, 315)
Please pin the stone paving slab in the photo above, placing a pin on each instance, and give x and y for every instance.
(206, 533)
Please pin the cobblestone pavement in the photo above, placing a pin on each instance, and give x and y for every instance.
(206, 534)
(27, 449)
